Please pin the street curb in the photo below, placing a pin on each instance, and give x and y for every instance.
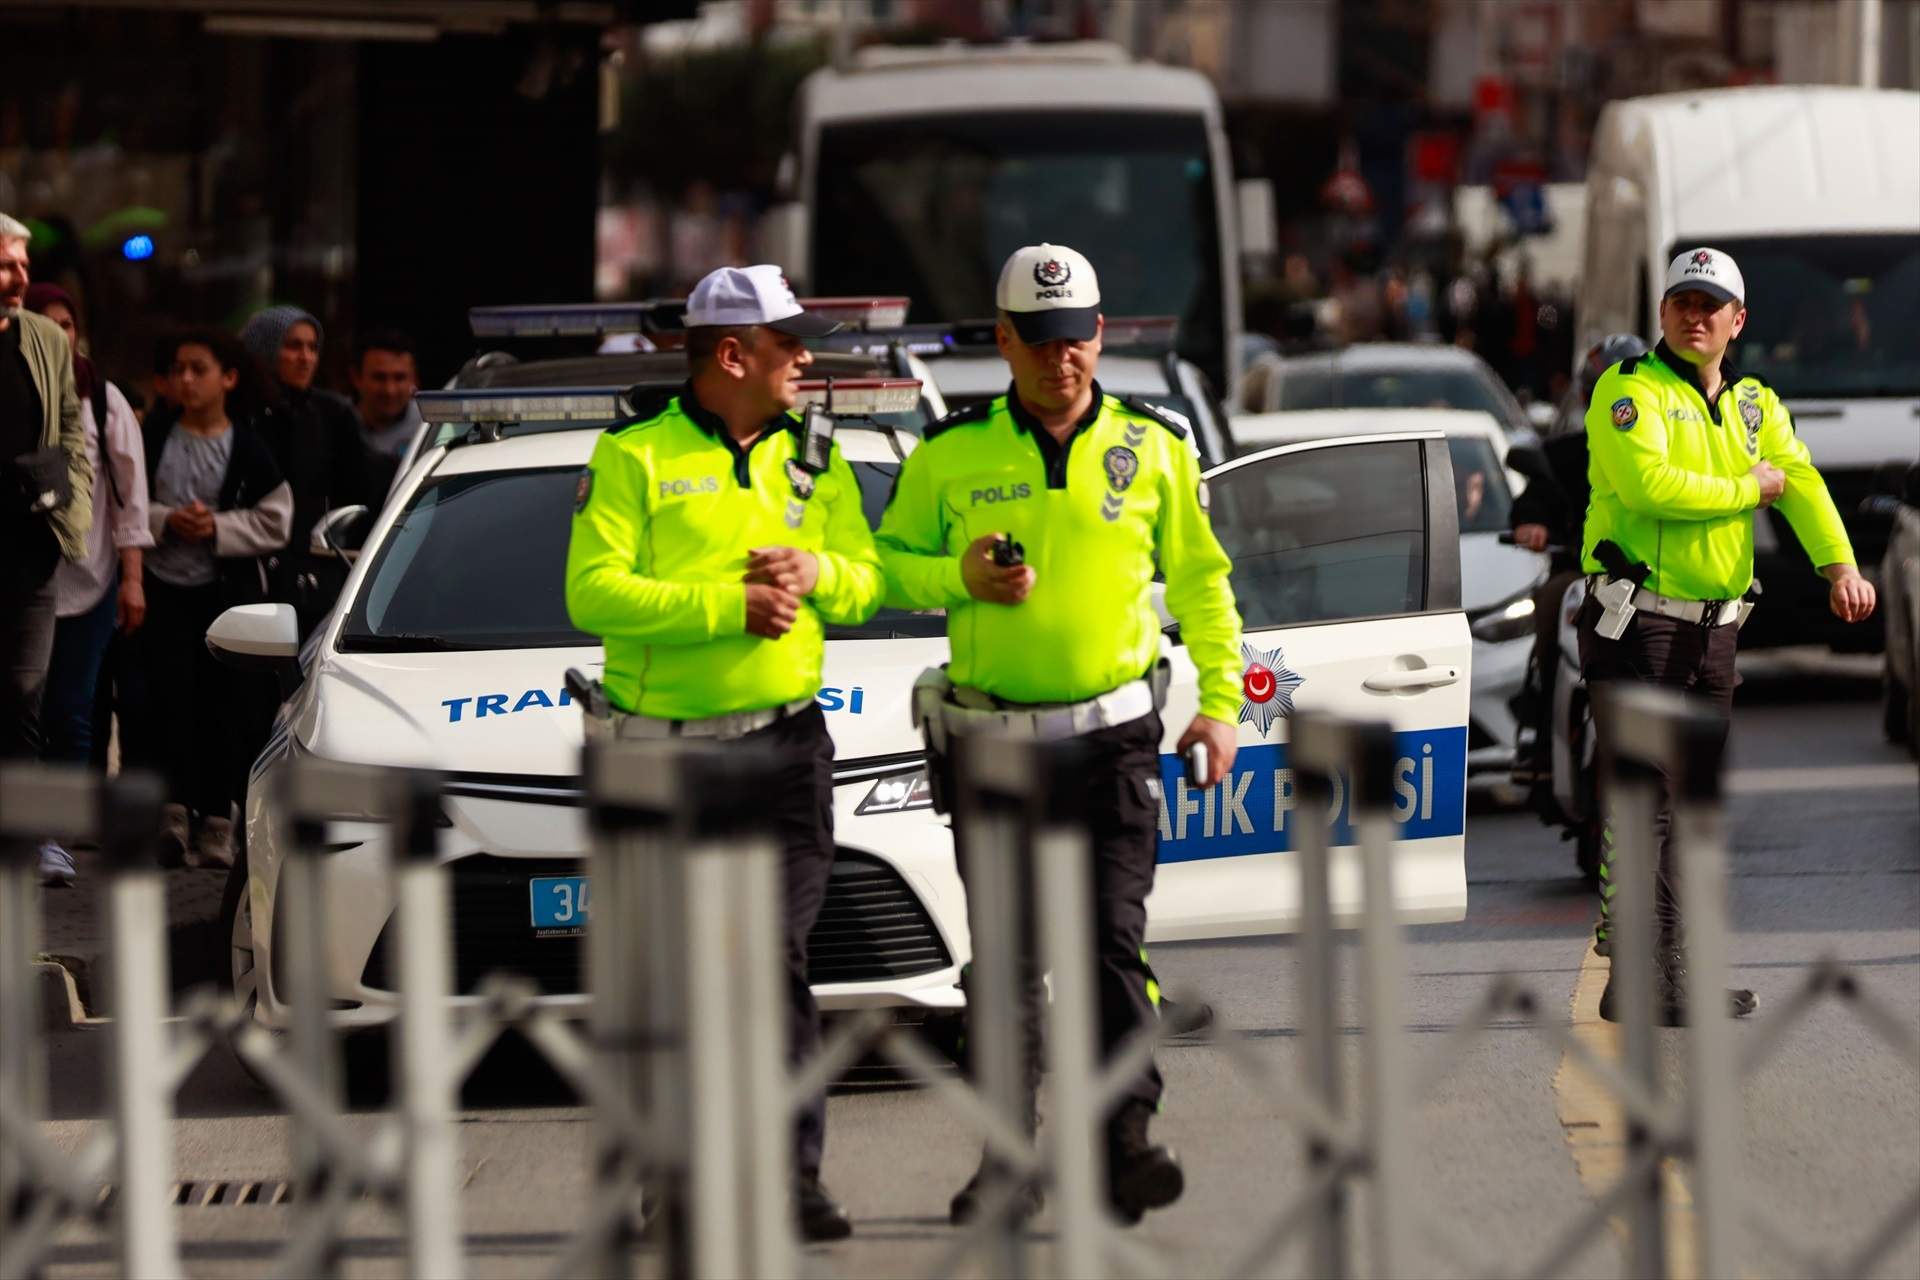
(60, 1007)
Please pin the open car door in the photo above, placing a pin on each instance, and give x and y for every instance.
(1346, 566)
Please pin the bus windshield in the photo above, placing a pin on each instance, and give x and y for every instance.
(1834, 315)
(930, 206)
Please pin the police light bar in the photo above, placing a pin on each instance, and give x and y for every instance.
(861, 395)
(933, 339)
(861, 313)
(513, 405)
(577, 320)
(1155, 332)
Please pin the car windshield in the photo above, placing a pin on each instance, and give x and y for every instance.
(1830, 315)
(930, 207)
(475, 562)
(876, 487)
(1333, 387)
(1479, 485)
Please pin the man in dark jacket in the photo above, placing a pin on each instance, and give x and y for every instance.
(318, 442)
(46, 492)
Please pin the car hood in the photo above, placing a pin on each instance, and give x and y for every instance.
(1491, 571)
(506, 711)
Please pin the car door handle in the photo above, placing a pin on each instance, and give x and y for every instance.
(1418, 678)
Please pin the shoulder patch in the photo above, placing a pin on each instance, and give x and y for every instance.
(977, 412)
(1625, 413)
(647, 404)
(1172, 419)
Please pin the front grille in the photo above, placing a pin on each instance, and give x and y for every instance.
(871, 927)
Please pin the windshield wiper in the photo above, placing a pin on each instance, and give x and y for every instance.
(404, 642)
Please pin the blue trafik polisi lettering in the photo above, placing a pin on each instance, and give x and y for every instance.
(852, 701)
(1255, 809)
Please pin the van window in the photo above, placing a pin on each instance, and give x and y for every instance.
(1835, 315)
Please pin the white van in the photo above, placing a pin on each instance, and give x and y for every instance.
(1815, 191)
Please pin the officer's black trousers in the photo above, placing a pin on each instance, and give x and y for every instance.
(1677, 655)
(799, 797)
(1125, 834)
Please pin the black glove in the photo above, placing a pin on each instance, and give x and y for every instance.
(44, 484)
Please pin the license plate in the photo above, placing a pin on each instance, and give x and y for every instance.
(560, 905)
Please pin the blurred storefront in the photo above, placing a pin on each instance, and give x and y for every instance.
(380, 164)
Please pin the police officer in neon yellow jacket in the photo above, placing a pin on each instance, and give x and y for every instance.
(709, 547)
(1684, 449)
(1092, 488)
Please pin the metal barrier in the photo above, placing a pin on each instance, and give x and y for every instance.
(681, 1059)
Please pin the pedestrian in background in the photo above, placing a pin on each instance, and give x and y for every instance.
(219, 508)
(46, 492)
(316, 440)
(103, 591)
(384, 380)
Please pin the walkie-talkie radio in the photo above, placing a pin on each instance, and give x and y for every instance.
(1007, 553)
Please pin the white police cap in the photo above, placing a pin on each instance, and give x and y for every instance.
(1049, 292)
(1708, 270)
(753, 295)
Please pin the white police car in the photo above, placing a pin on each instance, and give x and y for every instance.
(449, 646)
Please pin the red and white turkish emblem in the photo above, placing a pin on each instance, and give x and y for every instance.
(1052, 273)
(1266, 687)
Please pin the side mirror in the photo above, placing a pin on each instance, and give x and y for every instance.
(341, 532)
(256, 637)
(783, 239)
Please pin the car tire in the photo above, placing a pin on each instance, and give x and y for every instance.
(1896, 709)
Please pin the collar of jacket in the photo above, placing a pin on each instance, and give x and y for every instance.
(1689, 373)
(1024, 419)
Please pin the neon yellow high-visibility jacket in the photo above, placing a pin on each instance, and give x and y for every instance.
(1671, 483)
(1092, 518)
(663, 520)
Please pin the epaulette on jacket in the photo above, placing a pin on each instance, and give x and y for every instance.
(1164, 416)
(978, 412)
(1628, 365)
(647, 404)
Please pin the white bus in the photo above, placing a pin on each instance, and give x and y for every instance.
(918, 170)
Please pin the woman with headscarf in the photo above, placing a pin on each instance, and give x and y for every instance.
(316, 437)
(94, 596)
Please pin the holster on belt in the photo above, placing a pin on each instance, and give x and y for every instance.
(930, 693)
(1615, 595)
(596, 710)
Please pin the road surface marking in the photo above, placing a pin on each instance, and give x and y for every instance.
(1851, 777)
(1596, 1131)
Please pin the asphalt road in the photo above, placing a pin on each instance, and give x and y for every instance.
(1826, 831)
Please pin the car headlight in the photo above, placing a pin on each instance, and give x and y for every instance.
(1508, 620)
(898, 793)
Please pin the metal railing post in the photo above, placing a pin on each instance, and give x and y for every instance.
(992, 854)
(1054, 775)
(314, 792)
(143, 1083)
(741, 1157)
(1314, 815)
(23, 1080)
(636, 1020)
(1645, 729)
(423, 1058)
